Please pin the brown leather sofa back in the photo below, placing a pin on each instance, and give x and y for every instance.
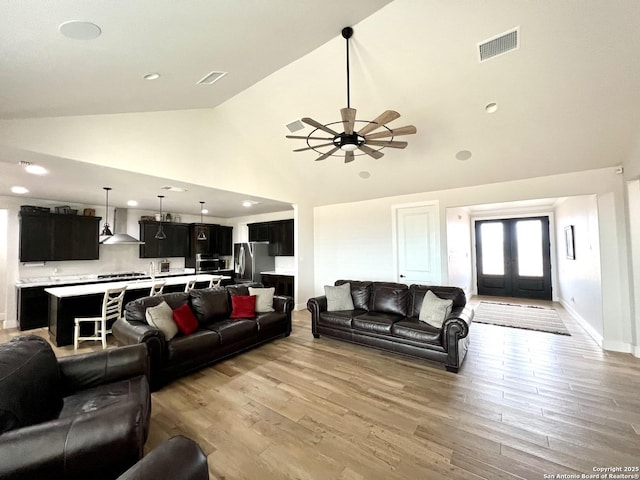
(30, 383)
(210, 305)
(389, 297)
(360, 292)
(135, 310)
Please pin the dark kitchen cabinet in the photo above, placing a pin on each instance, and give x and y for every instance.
(200, 246)
(33, 308)
(46, 237)
(224, 240)
(283, 284)
(281, 238)
(279, 234)
(259, 232)
(175, 245)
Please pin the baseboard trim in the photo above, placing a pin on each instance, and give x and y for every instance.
(584, 324)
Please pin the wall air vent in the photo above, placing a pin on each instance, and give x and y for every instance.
(210, 78)
(499, 45)
(295, 126)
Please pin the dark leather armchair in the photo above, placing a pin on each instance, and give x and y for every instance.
(177, 458)
(77, 417)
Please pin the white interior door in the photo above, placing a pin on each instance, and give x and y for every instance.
(418, 244)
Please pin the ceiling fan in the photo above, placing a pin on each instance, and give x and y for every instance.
(370, 139)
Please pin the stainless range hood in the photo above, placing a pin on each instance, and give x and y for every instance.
(120, 237)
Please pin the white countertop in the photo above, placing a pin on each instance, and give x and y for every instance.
(93, 288)
(87, 278)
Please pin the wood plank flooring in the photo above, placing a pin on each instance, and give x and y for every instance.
(524, 404)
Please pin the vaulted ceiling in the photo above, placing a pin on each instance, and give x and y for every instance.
(567, 97)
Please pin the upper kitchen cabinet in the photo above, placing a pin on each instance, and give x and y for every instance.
(176, 243)
(279, 234)
(219, 239)
(224, 240)
(56, 237)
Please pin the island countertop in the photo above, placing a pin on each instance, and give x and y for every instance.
(141, 284)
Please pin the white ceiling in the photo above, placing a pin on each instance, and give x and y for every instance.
(568, 98)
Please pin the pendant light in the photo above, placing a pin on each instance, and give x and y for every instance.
(106, 230)
(160, 235)
(201, 234)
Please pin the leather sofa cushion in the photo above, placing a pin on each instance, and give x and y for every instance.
(30, 383)
(340, 319)
(376, 322)
(413, 329)
(232, 331)
(201, 342)
(210, 304)
(418, 292)
(135, 390)
(360, 293)
(389, 298)
(135, 310)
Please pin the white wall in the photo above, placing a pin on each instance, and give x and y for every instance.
(459, 255)
(579, 281)
(3, 264)
(354, 240)
(633, 194)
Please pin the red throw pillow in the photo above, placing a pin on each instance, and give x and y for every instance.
(185, 319)
(243, 306)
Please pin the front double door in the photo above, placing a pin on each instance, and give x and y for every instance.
(513, 257)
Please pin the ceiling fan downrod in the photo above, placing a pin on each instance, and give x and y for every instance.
(347, 32)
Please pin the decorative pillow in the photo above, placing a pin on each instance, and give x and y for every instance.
(338, 298)
(264, 298)
(185, 319)
(161, 317)
(435, 310)
(243, 306)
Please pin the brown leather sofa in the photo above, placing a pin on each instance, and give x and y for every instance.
(386, 317)
(177, 458)
(216, 338)
(77, 417)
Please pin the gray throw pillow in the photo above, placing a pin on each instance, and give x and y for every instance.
(161, 317)
(264, 298)
(434, 310)
(338, 298)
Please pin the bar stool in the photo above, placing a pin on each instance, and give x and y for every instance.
(157, 288)
(189, 286)
(111, 311)
(215, 282)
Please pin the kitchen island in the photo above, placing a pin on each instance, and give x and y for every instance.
(68, 302)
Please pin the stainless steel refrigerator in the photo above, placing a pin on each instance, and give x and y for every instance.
(249, 259)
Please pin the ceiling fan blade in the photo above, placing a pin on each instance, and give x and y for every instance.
(408, 130)
(301, 137)
(349, 157)
(348, 119)
(328, 154)
(371, 152)
(389, 143)
(381, 120)
(311, 148)
(318, 125)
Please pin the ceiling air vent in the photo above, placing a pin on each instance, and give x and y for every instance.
(295, 126)
(210, 78)
(498, 45)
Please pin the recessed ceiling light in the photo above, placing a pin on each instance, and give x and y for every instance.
(152, 76)
(80, 30)
(364, 174)
(464, 155)
(19, 190)
(491, 107)
(205, 211)
(132, 203)
(173, 189)
(249, 203)
(33, 169)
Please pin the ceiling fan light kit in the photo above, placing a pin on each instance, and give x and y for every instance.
(351, 140)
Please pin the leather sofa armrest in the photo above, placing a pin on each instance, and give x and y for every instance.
(132, 333)
(88, 370)
(178, 457)
(316, 306)
(282, 303)
(458, 323)
(99, 445)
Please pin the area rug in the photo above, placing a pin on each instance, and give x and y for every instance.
(527, 317)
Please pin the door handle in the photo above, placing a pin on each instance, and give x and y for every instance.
(402, 276)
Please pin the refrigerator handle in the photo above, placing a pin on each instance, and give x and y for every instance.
(241, 262)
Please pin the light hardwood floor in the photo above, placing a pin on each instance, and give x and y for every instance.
(524, 404)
